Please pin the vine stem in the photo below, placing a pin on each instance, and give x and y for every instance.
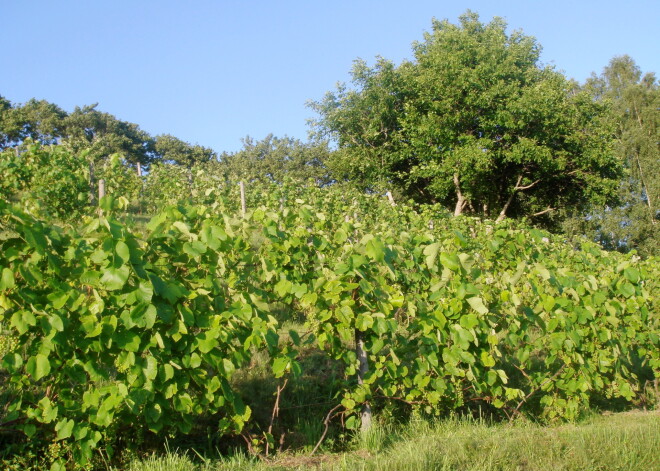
(276, 411)
(326, 422)
(516, 411)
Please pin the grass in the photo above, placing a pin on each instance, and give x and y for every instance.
(623, 441)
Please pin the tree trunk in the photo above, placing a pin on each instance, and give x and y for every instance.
(646, 189)
(91, 183)
(502, 215)
(460, 199)
(101, 188)
(243, 208)
(516, 189)
(361, 352)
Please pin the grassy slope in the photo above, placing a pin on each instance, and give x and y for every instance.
(625, 441)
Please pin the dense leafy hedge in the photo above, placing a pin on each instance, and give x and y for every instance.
(120, 331)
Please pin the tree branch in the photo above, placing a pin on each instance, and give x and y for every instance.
(516, 411)
(326, 422)
(502, 215)
(526, 187)
(276, 410)
(547, 210)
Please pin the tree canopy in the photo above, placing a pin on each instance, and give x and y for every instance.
(86, 128)
(474, 122)
(274, 159)
(102, 134)
(173, 149)
(635, 100)
(38, 120)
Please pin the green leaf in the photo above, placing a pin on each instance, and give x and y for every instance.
(48, 412)
(58, 299)
(364, 321)
(469, 321)
(123, 251)
(450, 261)
(150, 369)
(56, 322)
(168, 372)
(340, 236)
(80, 432)
(487, 359)
(35, 238)
(29, 430)
(351, 423)
(375, 249)
(64, 429)
(7, 279)
(478, 305)
(632, 274)
(283, 287)
(348, 403)
(38, 366)
(280, 365)
(115, 278)
(153, 413)
(182, 227)
(125, 360)
(627, 290)
(431, 253)
(22, 320)
(294, 337)
(228, 367)
(207, 341)
(90, 277)
(144, 316)
(194, 250)
(12, 362)
(377, 345)
(144, 292)
(128, 340)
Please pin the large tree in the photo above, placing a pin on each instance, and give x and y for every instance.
(476, 122)
(173, 149)
(274, 159)
(635, 100)
(86, 128)
(38, 120)
(102, 134)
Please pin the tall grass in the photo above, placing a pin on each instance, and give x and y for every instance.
(621, 442)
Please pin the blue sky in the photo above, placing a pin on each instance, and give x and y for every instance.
(212, 72)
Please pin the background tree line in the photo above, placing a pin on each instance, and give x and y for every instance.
(102, 135)
(473, 122)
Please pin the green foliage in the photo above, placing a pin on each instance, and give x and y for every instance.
(120, 333)
(120, 179)
(37, 120)
(110, 340)
(633, 222)
(276, 159)
(49, 180)
(203, 183)
(102, 135)
(474, 123)
(172, 149)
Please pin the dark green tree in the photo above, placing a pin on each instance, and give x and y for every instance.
(476, 123)
(102, 135)
(173, 149)
(39, 120)
(635, 100)
(275, 159)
